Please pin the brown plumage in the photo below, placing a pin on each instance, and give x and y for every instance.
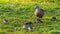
(39, 12)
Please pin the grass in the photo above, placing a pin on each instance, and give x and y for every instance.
(19, 12)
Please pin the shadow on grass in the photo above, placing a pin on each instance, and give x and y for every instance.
(3, 33)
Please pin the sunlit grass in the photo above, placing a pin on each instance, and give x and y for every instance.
(19, 11)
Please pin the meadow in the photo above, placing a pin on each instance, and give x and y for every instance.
(19, 11)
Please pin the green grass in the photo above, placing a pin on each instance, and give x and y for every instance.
(21, 12)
